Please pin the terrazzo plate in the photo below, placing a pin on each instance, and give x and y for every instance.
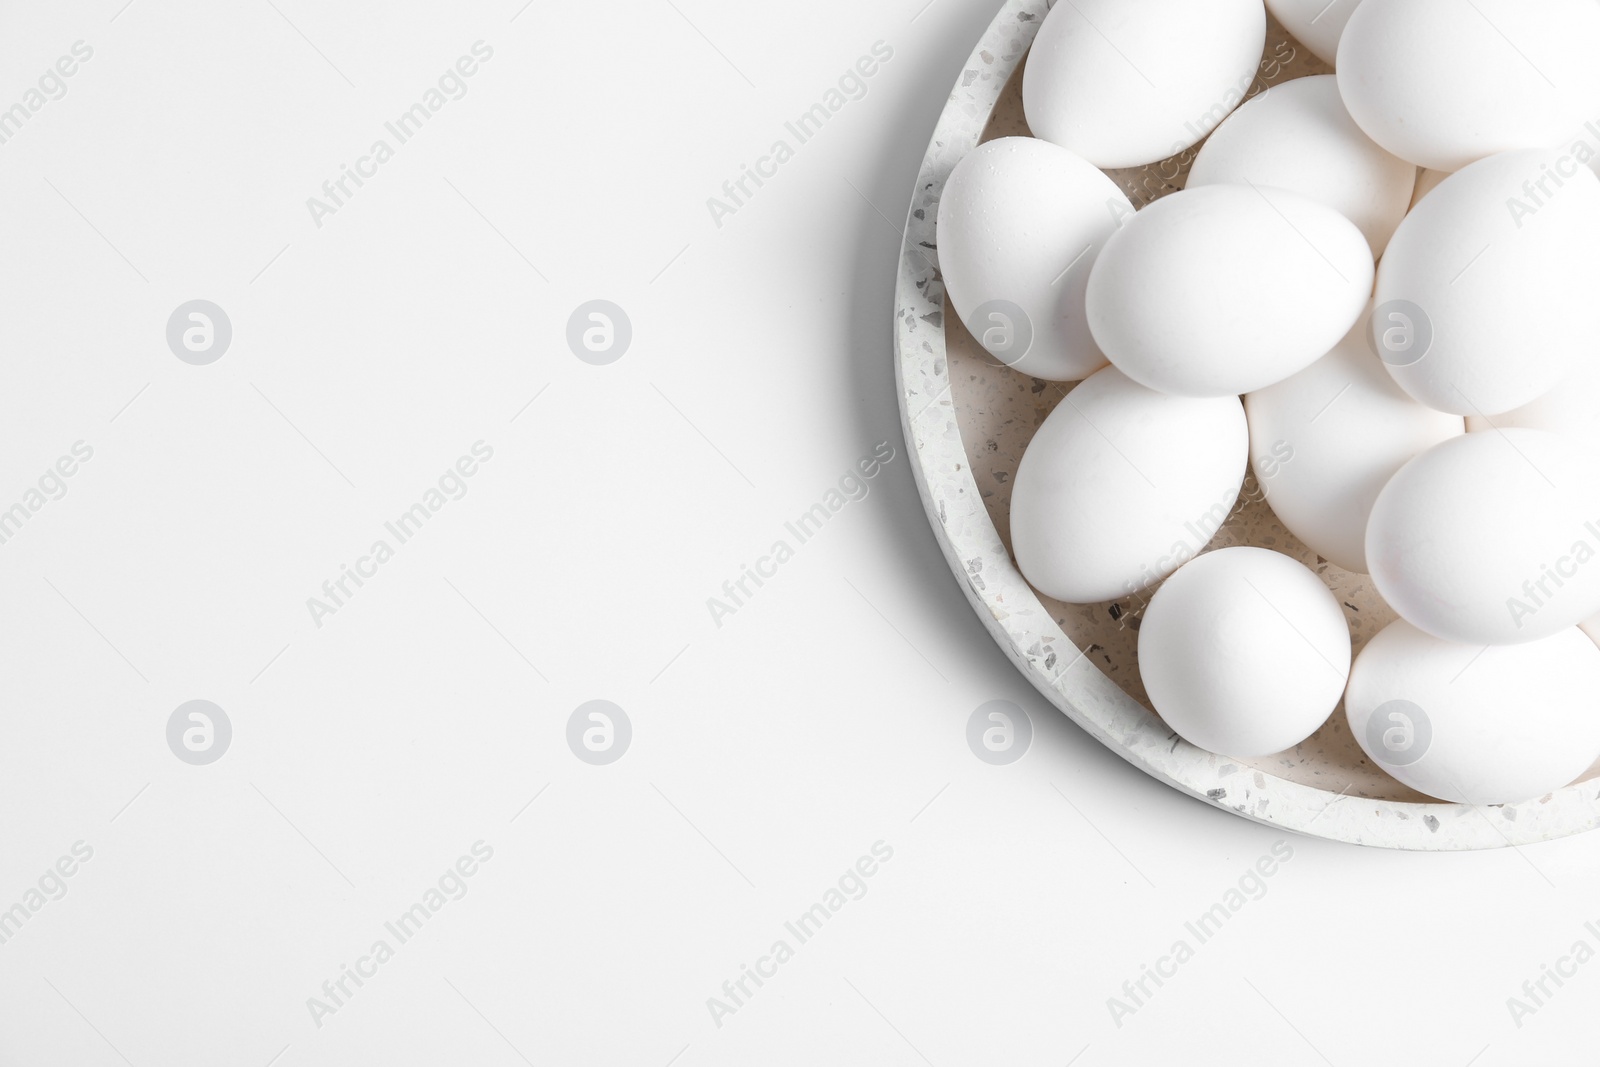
(967, 420)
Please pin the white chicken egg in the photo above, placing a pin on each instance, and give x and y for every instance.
(1298, 136)
(1121, 485)
(1486, 295)
(1444, 83)
(1244, 652)
(1584, 145)
(1326, 441)
(1477, 725)
(1490, 538)
(1129, 82)
(1570, 410)
(1020, 223)
(1317, 24)
(1226, 289)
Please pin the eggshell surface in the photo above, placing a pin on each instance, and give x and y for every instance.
(1570, 410)
(1326, 441)
(1121, 485)
(1494, 277)
(1317, 24)
(1298, 136)
(1020, 224)
(1226, 289)
(1244, 652)
(1445, 83)
(1472, 725)
(1490, 538)
(1129, 82)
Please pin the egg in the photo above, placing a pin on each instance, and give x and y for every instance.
(1584, 144)
(1129, 82)
(1477, 725)
(1121, 485)
(1445, 83)
(1298, 136)
(1325, 442)
(1570, 410)
(1244, 652)
(1020, 223)
(1486, 293)
(1490, 538)
(1226, 289)
(1317, 24)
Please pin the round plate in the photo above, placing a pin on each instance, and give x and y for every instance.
(967, 421)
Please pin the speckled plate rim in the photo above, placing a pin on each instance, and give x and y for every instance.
(1020, 623)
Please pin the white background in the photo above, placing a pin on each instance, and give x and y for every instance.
(768, 754)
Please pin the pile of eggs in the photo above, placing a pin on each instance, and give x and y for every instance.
(1380, 289)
